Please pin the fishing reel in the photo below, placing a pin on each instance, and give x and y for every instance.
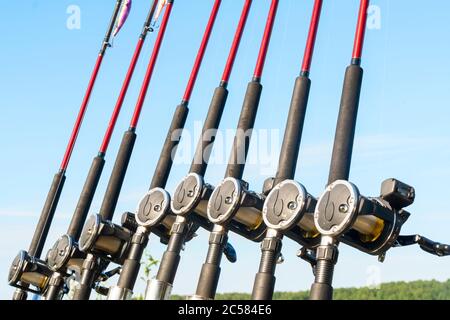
(158, 212)
(106, 239)
(27, 271)
(371, 225)
(232, 204)
(111, 242)
(191, 196)
(155, 216)
(289, 209)
(65, 255)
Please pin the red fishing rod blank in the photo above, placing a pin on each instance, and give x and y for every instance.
(116, 112)
(151, 66)
(126, 84)
(266, 40)
(360, 30)
(87, 96)
(201, 52)
(312, 35)
(236, 41)
(82, 112)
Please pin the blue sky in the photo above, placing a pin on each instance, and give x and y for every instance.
(402, 130)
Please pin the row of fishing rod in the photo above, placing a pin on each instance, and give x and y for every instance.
(284, 209)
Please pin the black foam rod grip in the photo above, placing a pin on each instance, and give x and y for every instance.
(165, 162)
(294, 129)
(346, 125)
(209, 131)
(117, 176)
(86, 197)
(48, 211)
(241, 144)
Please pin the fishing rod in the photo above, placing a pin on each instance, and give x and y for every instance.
(369, 224)
(65, 256)
(150, 215)
(287, 204)
(53, 196)
(329, 222)
(93, 264)
(191, 191)
(232, 192)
